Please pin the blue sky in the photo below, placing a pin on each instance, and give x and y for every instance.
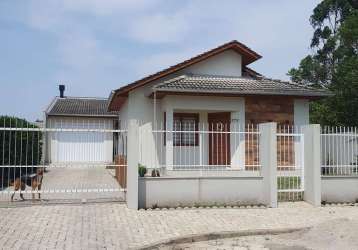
(94, 46)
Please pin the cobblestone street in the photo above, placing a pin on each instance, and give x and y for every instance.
(113, 226)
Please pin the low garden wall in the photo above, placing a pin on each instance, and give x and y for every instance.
(197, 191)
(339, 188)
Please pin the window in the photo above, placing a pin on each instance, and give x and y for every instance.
(185, 122)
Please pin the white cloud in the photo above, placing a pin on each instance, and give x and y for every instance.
(107, 7)
(156, 62)
(187, 27)
(159, 28)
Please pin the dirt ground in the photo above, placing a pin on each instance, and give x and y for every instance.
(333, 234)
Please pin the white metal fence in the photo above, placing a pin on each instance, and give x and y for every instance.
(205, 149)
(290, 163)
(60, 160)
(339, 151)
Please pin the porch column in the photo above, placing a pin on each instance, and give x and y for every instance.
(301, 118)
(169, 139)
(203, 139)
(268, 161)
(312, 164)
(237, 141)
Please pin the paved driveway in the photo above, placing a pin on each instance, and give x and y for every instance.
(64, 184)
(113, 226)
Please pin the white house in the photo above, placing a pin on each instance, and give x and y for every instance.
(215, 92)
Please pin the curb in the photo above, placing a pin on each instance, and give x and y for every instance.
(217, 235)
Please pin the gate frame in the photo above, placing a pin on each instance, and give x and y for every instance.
(298, 145)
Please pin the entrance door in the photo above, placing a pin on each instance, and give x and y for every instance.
(219, 139)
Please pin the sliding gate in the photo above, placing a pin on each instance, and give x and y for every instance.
(77, 163)
(290, 163)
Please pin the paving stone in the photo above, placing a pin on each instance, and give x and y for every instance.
(113, 226)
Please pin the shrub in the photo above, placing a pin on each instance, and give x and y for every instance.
(18, 148)
(142, 170)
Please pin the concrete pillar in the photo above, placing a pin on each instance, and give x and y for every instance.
(268, 160)
(169, 139)
(312, 164)
(132, 164)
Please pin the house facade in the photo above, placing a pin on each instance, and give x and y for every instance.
(215, 91)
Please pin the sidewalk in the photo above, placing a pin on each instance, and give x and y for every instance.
(113, 226)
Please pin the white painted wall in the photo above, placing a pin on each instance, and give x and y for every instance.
(228, 63)
(339, 189)
(173, 192)
(301, 112)
(66, 147)
(301, 117)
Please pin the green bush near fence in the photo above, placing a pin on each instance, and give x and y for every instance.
(18, 148)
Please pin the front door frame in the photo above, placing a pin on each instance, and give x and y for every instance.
(219, 143)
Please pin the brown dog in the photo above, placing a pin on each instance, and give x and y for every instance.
(33, 180)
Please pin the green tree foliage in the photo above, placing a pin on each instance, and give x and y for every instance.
(333, 63)
(18, 148)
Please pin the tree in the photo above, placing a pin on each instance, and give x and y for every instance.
(333, 63)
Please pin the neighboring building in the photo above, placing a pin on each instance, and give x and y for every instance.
(81, 113)
(215, 87)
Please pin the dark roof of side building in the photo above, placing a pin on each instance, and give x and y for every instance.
(80, 106)
(238, 85)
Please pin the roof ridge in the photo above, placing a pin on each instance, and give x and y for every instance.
(294, 83)
(219, 76)
(82, 98)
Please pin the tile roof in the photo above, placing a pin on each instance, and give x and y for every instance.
(80, 106)
(248, 54)
(237, 85)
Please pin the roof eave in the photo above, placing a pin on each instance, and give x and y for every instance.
(251, 92)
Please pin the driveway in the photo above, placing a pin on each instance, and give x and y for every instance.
(113, 226)
(68, 184)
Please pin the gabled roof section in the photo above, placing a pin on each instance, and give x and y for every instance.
(248, 56)
(237, 86)
(80, 106)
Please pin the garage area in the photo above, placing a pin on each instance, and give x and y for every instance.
(80, 131)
